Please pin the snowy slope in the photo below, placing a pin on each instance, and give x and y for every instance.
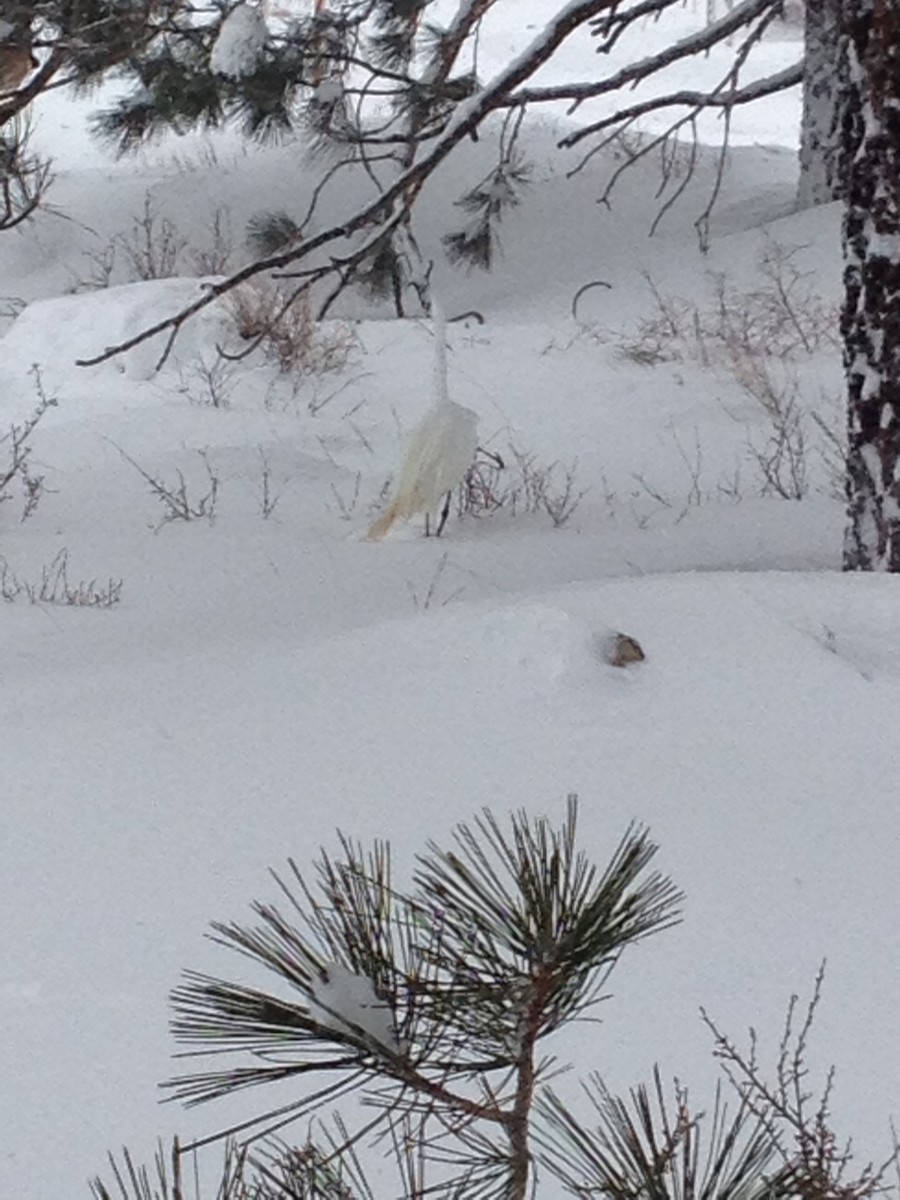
(152, 794)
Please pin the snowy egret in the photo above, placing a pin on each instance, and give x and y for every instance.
(440, 450)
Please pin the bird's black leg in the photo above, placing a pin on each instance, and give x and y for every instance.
(445, 513)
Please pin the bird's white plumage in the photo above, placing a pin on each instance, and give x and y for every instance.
(439, 450)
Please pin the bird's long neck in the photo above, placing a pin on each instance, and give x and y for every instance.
(440, 394)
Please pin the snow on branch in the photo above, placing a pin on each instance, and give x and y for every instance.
(694, 44)
(759, 88)
(344, 1001)
(453, 39)
(779, 81)
(239, 45)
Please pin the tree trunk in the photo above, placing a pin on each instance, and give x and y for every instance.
(870, 320)
(819, 132)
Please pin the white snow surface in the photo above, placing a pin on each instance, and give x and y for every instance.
(264, 681)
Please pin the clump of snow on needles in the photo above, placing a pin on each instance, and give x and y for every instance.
(344, 999)
(240, 42)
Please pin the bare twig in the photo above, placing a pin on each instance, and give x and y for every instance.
(816, 1165)
(178, 504)
(586, 287)
(55, 587)
(15, 445)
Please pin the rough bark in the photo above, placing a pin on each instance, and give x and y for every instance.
(819, 132)
(870, 320)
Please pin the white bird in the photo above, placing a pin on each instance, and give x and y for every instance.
(439, 451)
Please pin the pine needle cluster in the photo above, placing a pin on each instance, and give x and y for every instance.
(425, 1012)
(428, 1004)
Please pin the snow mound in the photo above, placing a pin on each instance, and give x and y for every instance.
(758, 754)
(55, 333)
(546, 645)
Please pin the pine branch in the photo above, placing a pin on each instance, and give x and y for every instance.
(398, 198)
(653, 1146)
(426, 1005)
(696, 43)
(477, 244)
(778, 82)
(450, 42)
(136, 1182)
(268, 232)
(533, 905)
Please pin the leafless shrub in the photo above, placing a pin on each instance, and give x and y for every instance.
(431, 597)
(15, 452)
(526, 485)
(208, 383)
(313, 392)
(268, 497)
(347, 504)
(817, 1165)
(538, 487)
(663, 336)
(484, 488)
(215, 257)
(153, 246)
(782, 458)
(783, 318)
(98, 274)
(833, 452)
(779, 1144)
(758, 336)
(559, 501)
(697, 492)
(33, 487)
(287, 331)
(55, 587)
(700, 487)
(515, 483)
(178, 503)
(360, 437)
(318, 398)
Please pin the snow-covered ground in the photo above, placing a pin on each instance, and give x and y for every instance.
(267, 678)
